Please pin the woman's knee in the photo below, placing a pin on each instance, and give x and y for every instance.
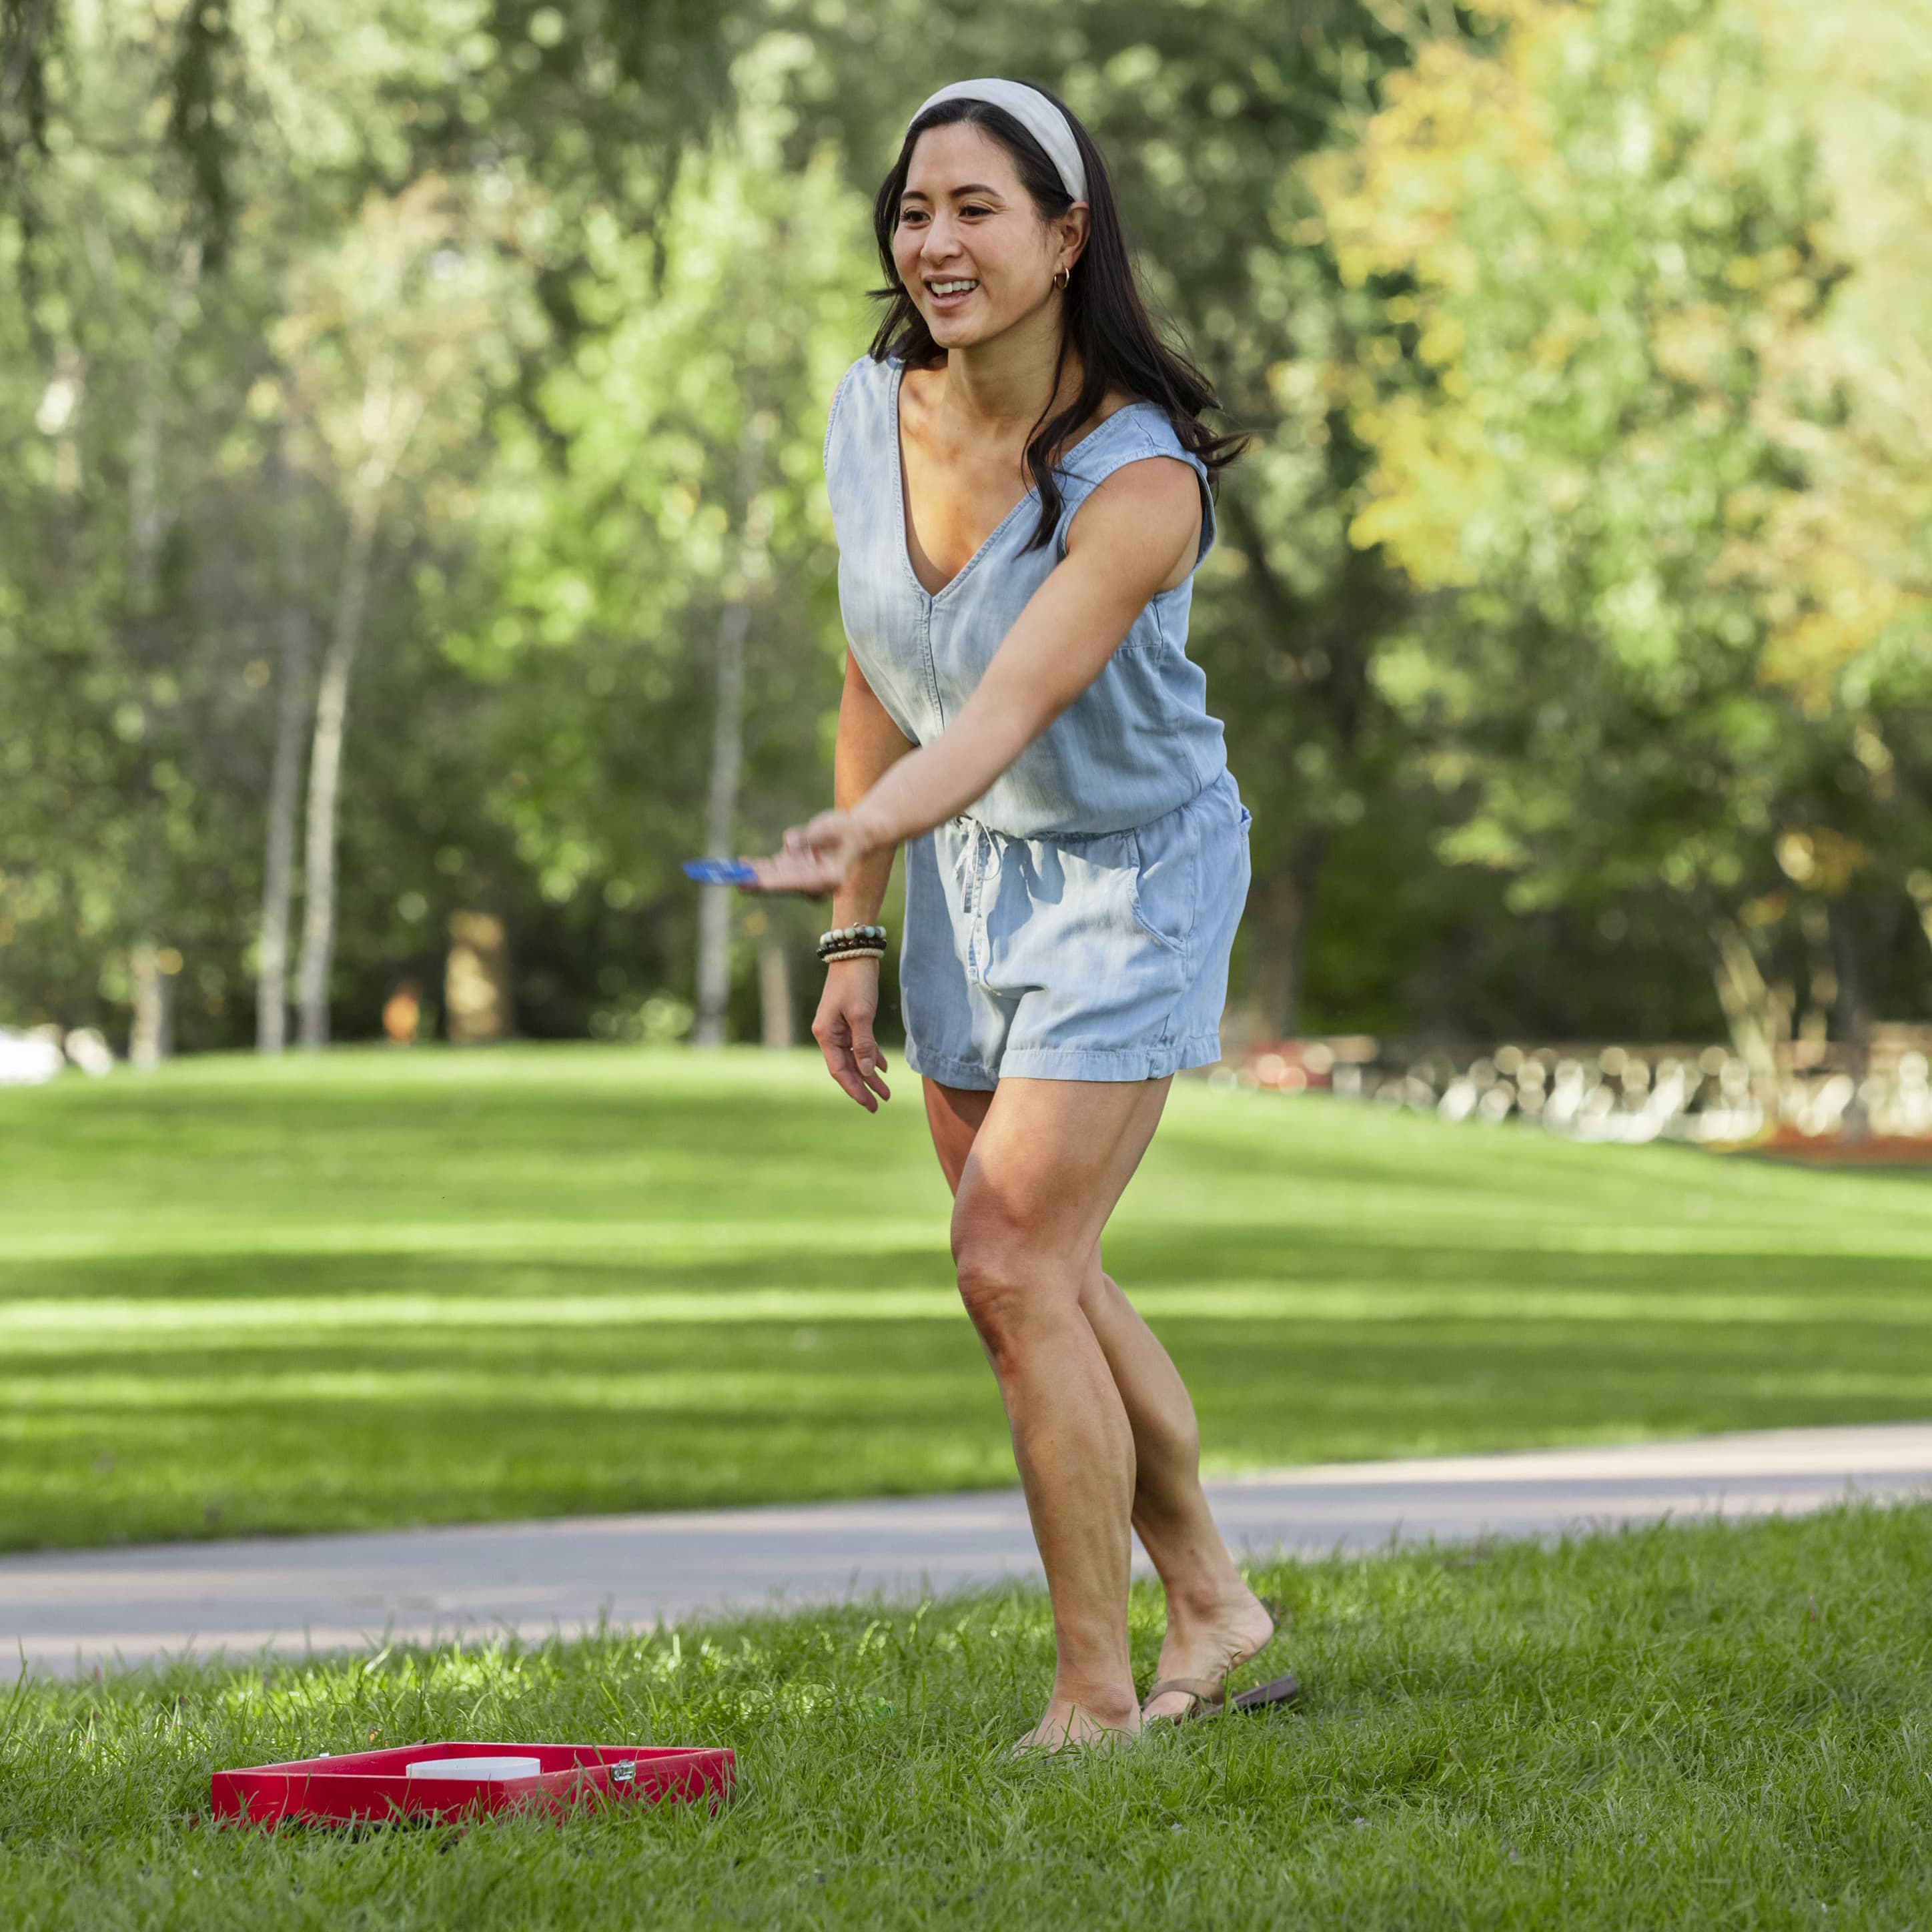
(1005, 1280)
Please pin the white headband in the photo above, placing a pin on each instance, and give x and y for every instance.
(1035, 113)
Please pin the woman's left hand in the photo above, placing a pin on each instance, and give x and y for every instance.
(816, 856)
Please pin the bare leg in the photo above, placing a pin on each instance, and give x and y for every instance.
(1049, 1162)
(1213, 1619)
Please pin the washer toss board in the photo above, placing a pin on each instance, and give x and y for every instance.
(365, 1787)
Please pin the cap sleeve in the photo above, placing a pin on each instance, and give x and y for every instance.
(1130, 435)
(845, 383)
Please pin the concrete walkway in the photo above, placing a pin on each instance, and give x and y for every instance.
(64, 1612)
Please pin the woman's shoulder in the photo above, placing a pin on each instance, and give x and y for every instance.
(1138, 429)
(1124, 429)
(1116, 402)
(859, 390)
(877, 371)
(867, 374)
(1151, 420)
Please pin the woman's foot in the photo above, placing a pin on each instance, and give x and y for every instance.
(1207, 1641)
(1071, 1726)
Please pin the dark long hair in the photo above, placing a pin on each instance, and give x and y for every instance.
(1106, 322)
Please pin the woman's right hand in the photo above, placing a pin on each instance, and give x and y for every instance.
(843, 1029)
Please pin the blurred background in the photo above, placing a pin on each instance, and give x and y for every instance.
(412, 540)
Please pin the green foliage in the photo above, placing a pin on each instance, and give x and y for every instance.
(1581, 547)
(672, 466)
(1602, 436)
(200, 119)
(391, 333)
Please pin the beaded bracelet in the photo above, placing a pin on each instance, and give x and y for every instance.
(852, 942)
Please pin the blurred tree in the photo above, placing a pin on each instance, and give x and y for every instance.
(1707, 666)
(396, 339)
(665, 514)
(585, 80)
(130, 547)
(102, 816)
(292, 678)
(1594, 434)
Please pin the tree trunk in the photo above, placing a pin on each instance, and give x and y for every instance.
(721, 815)
(476, 979)
(271, 970)
(324, 773)
(1335, 703)
(150, 1039)
(774, 1013)
(151, 1036)
(1918, 886)
(1285, 915)
(1759, 1014)
(727, 747)
(1853, 1022)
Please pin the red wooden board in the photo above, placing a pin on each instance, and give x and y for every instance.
(361, 1786)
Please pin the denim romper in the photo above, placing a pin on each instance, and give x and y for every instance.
(1074, 922)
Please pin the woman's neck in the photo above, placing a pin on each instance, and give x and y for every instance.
(1002, 388)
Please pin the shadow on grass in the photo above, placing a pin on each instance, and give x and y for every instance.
(1697, 1726)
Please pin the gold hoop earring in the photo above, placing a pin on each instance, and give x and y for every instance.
(1061, 277)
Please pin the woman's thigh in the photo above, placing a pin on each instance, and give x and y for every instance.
(1044, 1161)
(954, 1115)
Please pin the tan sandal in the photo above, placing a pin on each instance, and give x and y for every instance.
(1207, 1695)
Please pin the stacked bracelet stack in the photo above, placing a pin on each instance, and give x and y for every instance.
(852, 942)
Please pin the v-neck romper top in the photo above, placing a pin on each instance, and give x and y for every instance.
(1074, 922)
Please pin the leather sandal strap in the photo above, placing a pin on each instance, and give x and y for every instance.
(1203, 1689)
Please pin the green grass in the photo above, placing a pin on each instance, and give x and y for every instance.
(1707, 1726)
(374, 1287)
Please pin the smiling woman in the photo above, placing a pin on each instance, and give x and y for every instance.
(1021, 484)
(1102, 338)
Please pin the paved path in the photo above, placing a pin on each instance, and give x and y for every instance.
(65, 1611)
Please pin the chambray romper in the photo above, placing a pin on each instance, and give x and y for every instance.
(1075, 923)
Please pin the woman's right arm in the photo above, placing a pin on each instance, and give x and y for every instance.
(869, 744)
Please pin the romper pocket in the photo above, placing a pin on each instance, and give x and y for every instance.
(1167, 878)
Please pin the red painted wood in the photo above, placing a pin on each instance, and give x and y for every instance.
(361, 1786)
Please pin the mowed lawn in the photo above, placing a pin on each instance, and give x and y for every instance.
(374, 1288)
(1696, 1727)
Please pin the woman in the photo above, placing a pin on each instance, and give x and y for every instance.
(1019, 481)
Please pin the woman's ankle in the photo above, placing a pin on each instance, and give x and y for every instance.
(1106, 1696)
(1209, 1602)
(1119, 1711)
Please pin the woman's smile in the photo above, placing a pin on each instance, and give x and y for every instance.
(951, 292)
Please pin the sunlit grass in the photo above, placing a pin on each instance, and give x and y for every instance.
(369, 1288)
(1703, 1726)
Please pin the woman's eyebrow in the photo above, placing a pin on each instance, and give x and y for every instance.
(977, 189)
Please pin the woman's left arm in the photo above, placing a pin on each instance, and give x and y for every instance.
(1126, 542)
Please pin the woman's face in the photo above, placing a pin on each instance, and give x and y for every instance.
(970, 246)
